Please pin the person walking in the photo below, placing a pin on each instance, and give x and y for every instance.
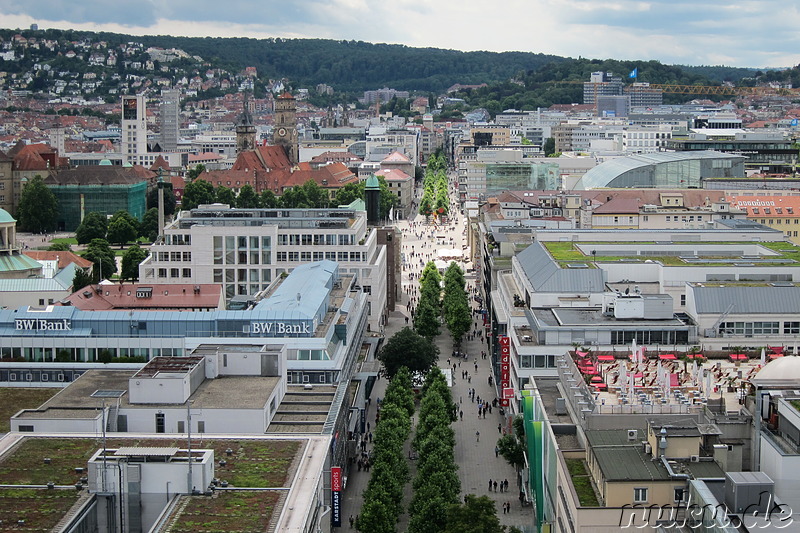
(353, 519)
(499, 428)
(496, 451)
(495, 485)
(477, 436)
(490, 485)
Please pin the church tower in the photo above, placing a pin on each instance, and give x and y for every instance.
(245, 130)
(285, 132)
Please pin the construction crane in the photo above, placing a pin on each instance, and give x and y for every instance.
(699, 89)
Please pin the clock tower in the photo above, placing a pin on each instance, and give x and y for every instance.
(285, 130)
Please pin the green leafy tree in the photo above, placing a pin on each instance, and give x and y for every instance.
(197, 192)
(195, 172)
(426, 320)
(512, 451)
(269, 200)
(122, 228)
(60, 247)
(407, 349)
(38, 208)
(350, 193)
(169, 199)
(476, 515)
(225, 195)
(130, 262)
(93, 226)
(100, 253)
(247, 199)
(81, 279)
(315, 195)
(149, 226)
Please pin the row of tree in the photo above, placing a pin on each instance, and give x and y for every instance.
(436, 484)
(455, 304)
(308, 195)
(427, 316)
(435, 199)
(383, 497)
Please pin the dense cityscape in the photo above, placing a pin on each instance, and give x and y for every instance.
(560, 296)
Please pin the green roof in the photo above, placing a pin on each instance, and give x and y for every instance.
(372, 183)
(5, 216)
(15, 262)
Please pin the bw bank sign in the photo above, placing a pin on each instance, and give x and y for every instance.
(42, 324)
(279, 329)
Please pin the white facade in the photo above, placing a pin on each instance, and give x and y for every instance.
(245, 256)
(134, 128)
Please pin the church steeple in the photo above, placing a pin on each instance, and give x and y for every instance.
(285, 132)
(245, 130)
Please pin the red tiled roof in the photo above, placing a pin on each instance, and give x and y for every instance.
(619, 205)
(396, 157)
(160, 163)
(64, 258)
(393, 174)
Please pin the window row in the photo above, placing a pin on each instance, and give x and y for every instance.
(282, 257)
(753, 328)
(308, 239)
(164, 257)
(233, 275)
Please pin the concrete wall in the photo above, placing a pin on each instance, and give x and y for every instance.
(167, 387)
(782, 469)
(246, 421)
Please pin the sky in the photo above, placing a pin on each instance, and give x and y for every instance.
(744, 33)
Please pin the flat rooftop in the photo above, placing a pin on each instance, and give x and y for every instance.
(253, 463)
(564, 316)
(241, 392)
(675, 253)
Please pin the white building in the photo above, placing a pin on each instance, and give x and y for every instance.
(246, 249)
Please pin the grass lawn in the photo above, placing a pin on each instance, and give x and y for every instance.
(71, 241)
(582, 483)
(13, 399)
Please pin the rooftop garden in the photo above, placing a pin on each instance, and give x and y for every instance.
(567, 252)
(12, 399)
(795, 404)
(582, 483)
(251, 463)
(229, 512)
(40, 509)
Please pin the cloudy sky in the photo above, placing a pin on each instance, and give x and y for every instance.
(751, 33)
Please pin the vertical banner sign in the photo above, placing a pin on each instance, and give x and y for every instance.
(336, 494)
(505, 367)
(363, 421)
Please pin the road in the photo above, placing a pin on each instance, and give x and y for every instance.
(475, 457)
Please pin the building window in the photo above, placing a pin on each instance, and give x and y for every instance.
(679, 494)
(186, 272)
(201, 426)
(791, 328)
(162, 272)
(683, 299)
(174, 272)
(639, 495)
(160, 423)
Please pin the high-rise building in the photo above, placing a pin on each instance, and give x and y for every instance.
(170, 119)
(134, 128)
(601, 84)
(642, 95)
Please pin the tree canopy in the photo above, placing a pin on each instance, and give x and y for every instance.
(93, 226)
(197, 192)
(169, 199)
(130, 262)
(122, 228)
(100, 253)
(407, 349)
(38, 207)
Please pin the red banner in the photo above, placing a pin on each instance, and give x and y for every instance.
(336, 478)
(504, 402)
(508, 393)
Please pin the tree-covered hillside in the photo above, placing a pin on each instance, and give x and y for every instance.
(562, 83)
(346, 65)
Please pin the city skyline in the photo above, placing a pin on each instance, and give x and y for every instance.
(744, 34)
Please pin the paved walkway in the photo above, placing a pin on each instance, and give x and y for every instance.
(475, 457)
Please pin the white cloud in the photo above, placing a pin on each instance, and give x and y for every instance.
(747, 33)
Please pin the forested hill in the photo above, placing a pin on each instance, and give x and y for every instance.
(346, 65)
(562, 82)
